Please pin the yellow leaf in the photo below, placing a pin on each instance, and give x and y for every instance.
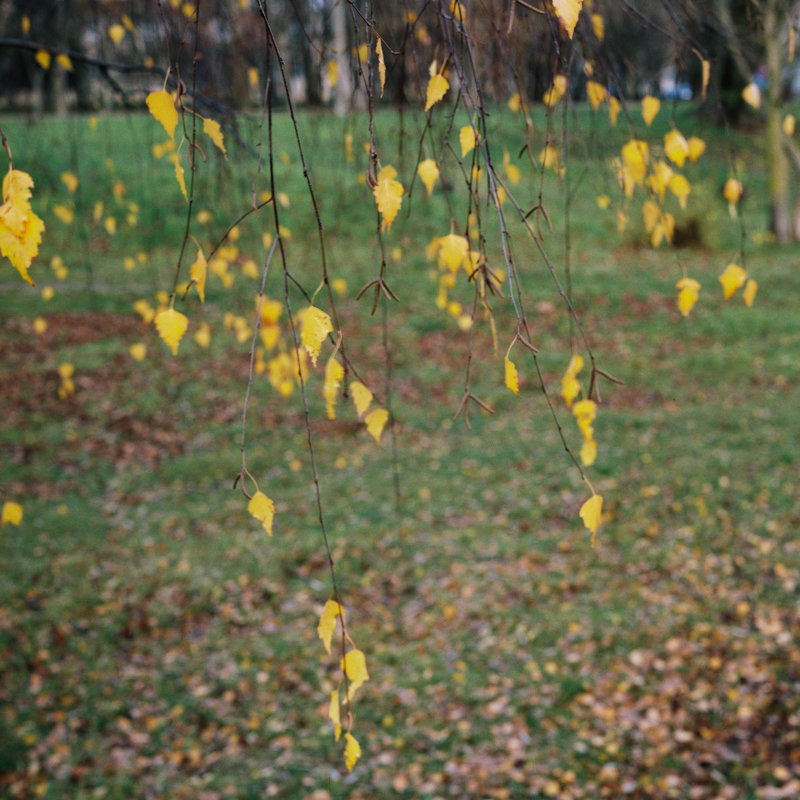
(688, 292)
(354, 665)
(25, 24)
(596, 93)
(696, 148)
(568, 12)
(117, 33)
(381, 63)
(788, 125)
(43, 59)
(556, 91)
(70, 180)
(171, 325)
(375, 422)
(749, 293)
(362, 397)
(751, 94)
(651, 214)
(331, 73)
(333, 715)
(598, 26)
(603, 201)
(20, 229)
(198, 272)
(613, 109)
(64, 61)
(732, 278)
(334, 372)
(39, 325)
(585, 411)
(138, 351)
(428, 172)
(437, 89)
(316, 327)
(263, 509)
(570, 387)
(453, 250)
(549, 157)
(467, 139)
(588, 452)
(162, 107)
(212, 129)
(657, 181)
(203, 335)
(327, 623)
(680, 187)
(732, 192)
(706, 75)
(352, 751)
(179, 174)
(12, 513)
(511, 170)
(512, 376)
(635, 157)
(676, 148)
(650, 107)
(515, 103)
(592, 513)
(388, 195)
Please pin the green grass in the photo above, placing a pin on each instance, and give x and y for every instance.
(155, 642)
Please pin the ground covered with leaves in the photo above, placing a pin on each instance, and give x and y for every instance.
(155, 642)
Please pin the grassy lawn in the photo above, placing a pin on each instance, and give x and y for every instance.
(154, 642)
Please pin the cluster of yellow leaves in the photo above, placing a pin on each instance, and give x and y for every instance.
(452, 253)
(584, 410)
(67, 386)
(20, 229)
(733, 278)
(688, 292)
(354, 670)
(11, 514)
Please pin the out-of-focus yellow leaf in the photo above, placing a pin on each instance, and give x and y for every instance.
(316, 327)
(428, 172)
(11, 514)
(116, 33)
(659, 178)
(362, 397)
(437, 89)
(263, 509)
(650, 107)
(732, 279)
(212, 129)
(162, 107)
(511, 375)
(613, 109)
(467, 139)
(354, 665)
(749, 293)
(651, 213)
(603, 201)
(388, 194)
(676, 148)
(568, 12)
(688, 292)
(634, 159)
(198, 272)
(732, 192)
(175, 158)
(327, 622)
(203, 335)
(334, 716)
(43, 58)
(64, 61)
(592, 513)
(585, 411)
(381, 63)
(334, 372)
(515, 103)
(706, 75)
(331, 72)
(751, 94)
(549, 157)
(596, 93)
(788, 125)
(556, 91)
(375, 422)
(453, 250)
(588, 452)
(598, 26)
(352, 751)
(138, 351)
(171, 325)
(680, 187)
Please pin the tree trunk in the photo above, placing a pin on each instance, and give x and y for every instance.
(343, 91)
(777, 163)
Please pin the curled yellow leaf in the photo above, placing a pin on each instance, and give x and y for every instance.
(334, 715)
(354, 665)
(212, 129)
(327, 623)
(334, 372)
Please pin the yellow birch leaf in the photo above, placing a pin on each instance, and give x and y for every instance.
(676, 148)
(179, 175)
(680, 187)
(596, 93)
(511, 170)
(428, 172)
(570, 387)
(749, 293)
(171, 325)
(263, 509)
(651, 213)
(12, 513)
(43, 59)
(592, 513)
(556, 91)
(706, 73)
(732, 192)
(568, 12)
(512, 376)
(354, 665)
(788, 125)
(381, 63)
(116, 33)
(598, 26)
(198, 272)
(138, 351)
(162, 107)
(453, 250)
(327, 623)
(688, 292)
(70, 180)
(212, 129)
(467, 139)
(375, 422)
(331, 73)
(635, 156)
(585, 411)
(352, 751)
(732, 279)
(362, 397)
(603, 201)
(650, 107)
(316, 327)
(549, 157)
(64, 61)
(437, 89)
(203, 335)
(334, 716)
(388, 195)
(588, 452)
(751, 94)
(334, 372)
(696, 148)
(613, 109)
(515, 103)
(25, 24)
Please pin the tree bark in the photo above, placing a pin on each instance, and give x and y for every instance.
(343, 91)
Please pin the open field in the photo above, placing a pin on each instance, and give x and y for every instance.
(155, 643)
